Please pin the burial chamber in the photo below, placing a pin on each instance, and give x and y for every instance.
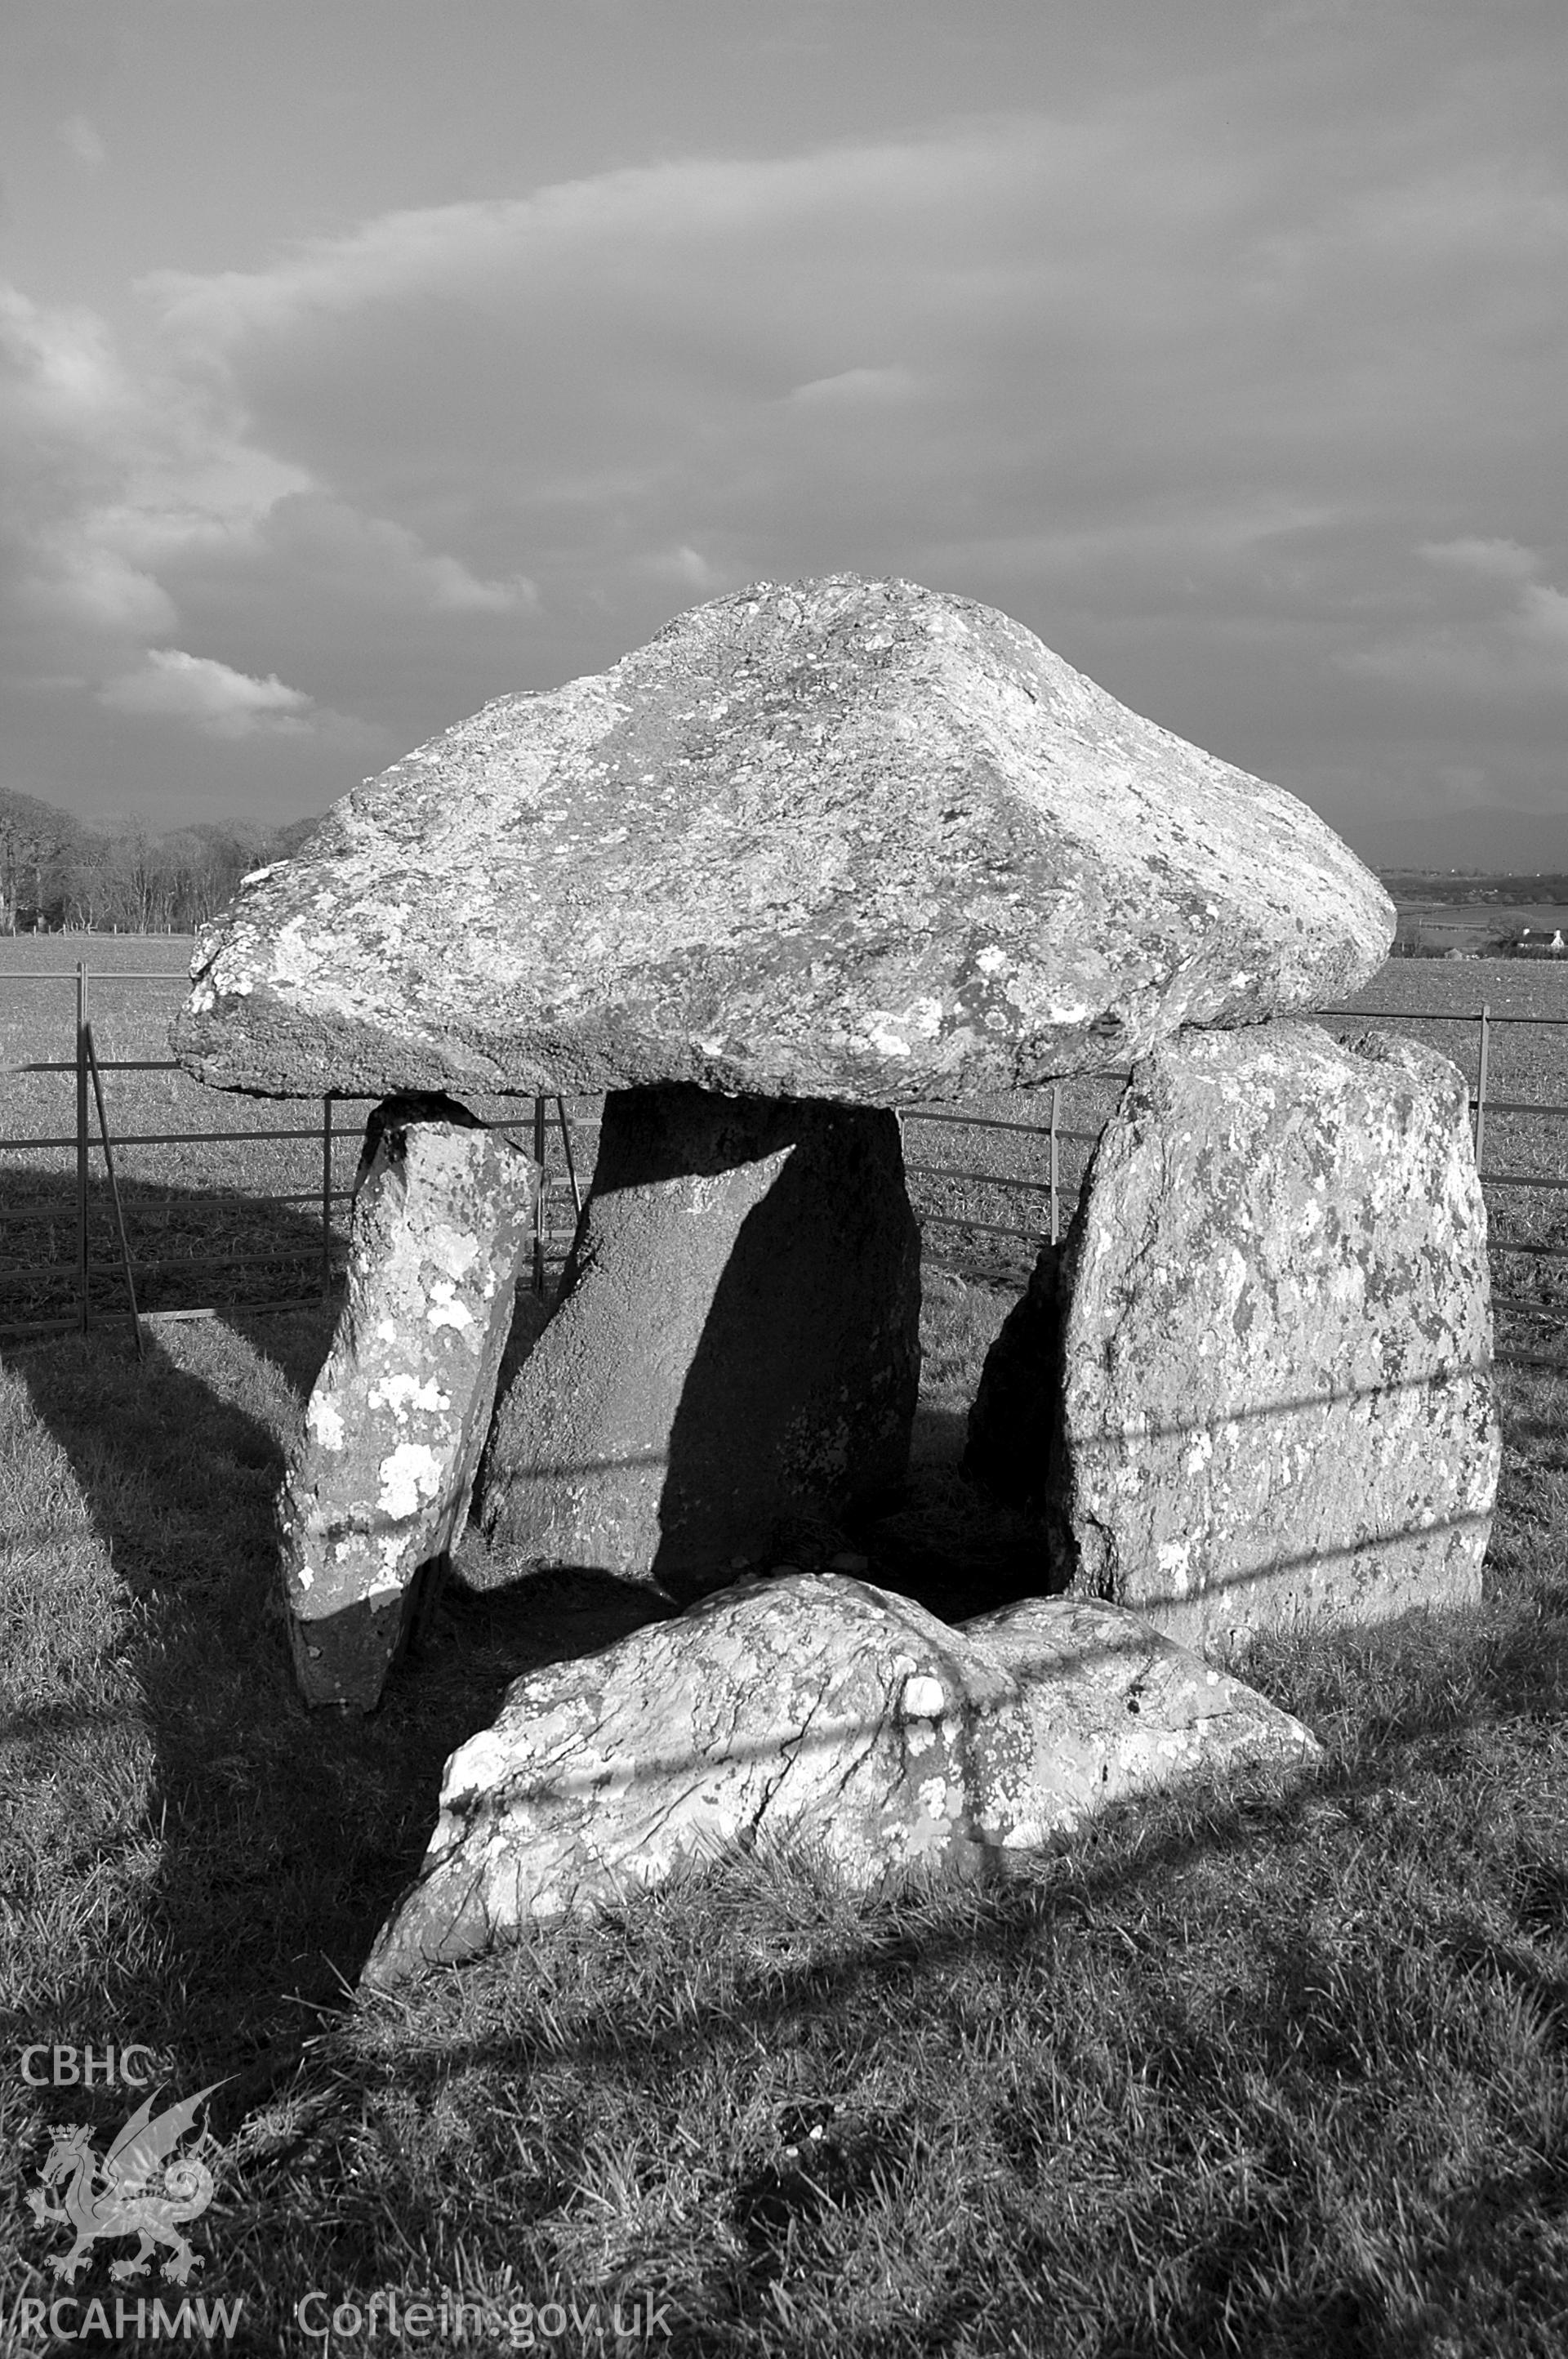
(817, 852)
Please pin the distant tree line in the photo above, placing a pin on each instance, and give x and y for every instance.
(59, 875)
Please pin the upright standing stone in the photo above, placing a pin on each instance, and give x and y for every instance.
(380, 1483)
(1267, 1349)
(737, 1340)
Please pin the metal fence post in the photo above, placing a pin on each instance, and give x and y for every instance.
(1055, 1100)
(1481, 1087)
(567, 1148)
(82, 1312)
(114, 1192)
(326, 1199)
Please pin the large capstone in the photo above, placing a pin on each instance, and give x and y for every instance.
(1257, 1388)
(378, 1485)
(736, 1341)
(841, 839)
(826, 1705)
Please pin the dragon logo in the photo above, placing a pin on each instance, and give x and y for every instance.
(144, 2187)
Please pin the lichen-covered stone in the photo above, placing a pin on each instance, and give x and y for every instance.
(1272, 1396)
(736, 1341)
(824, 1705)
(380, 1481)
(841, 839)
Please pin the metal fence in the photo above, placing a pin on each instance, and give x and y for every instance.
(1042, 1194)
(330, 1132)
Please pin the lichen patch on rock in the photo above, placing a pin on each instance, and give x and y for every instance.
(380, 1480)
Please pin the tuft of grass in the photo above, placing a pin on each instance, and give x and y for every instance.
(1264, 2066)
(959, 1322)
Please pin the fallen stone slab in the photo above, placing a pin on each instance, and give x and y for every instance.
(736, 1342)
(833, 839)
(379, 1484)
(1257, 1388)
(820, 1705)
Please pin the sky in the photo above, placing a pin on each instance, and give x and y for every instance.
(364, 360)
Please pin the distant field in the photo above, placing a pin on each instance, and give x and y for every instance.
(1527, 1061)
(1510, 986)
(1467, 925)
(203, 1203)
(1540, 917)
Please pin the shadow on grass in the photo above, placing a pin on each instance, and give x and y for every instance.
(1284, 2050)
(283, 1839)
(996, 1904)
(948, 1544)
(156, 1712)
(286, 1838)
(189, 1247)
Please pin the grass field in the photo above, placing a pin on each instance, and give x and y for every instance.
(1264, 2067)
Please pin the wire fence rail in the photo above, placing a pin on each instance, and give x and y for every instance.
(1042, 1194)
(324, 1253)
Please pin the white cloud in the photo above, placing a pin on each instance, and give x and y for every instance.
(1180, 372)
(689, 569)
(81, 135)
(856, 387)
(332, 548)
(1543, 616)
(58, 371)
(225, 703)
(1513, 645)
(138, 504)
(106, 469)
(1105, 329)
(612, 327)
(1502, 560)
(72, 576)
